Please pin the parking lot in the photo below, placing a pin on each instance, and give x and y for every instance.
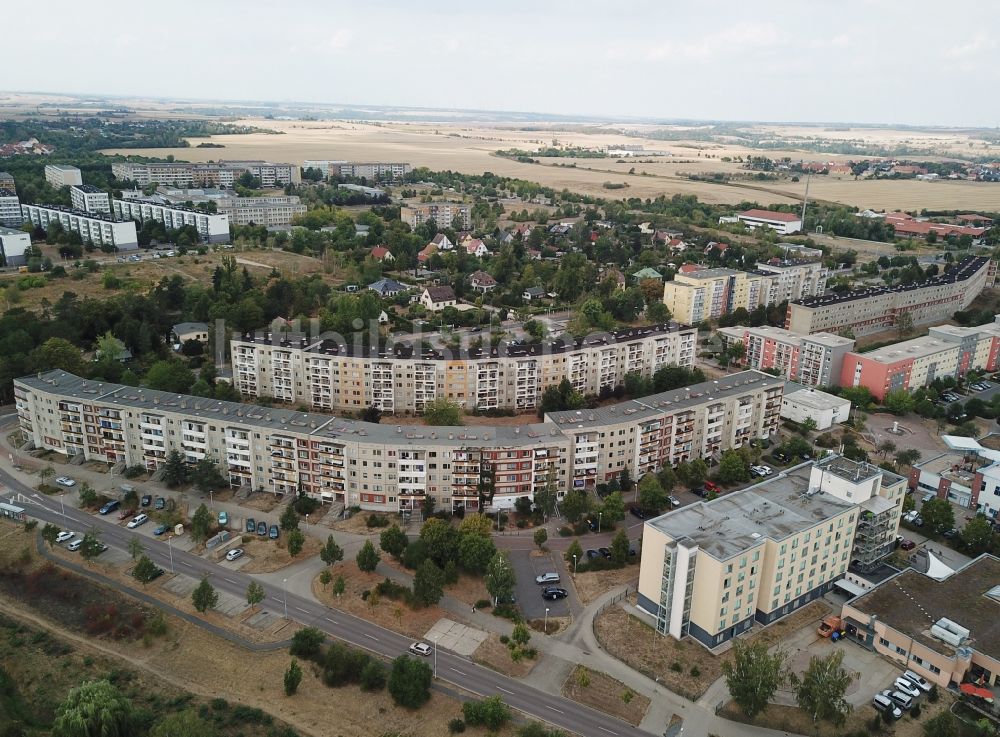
(529, 594)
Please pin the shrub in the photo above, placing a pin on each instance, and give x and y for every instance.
(377, 520)
(676, 667)
(307, 643)
(456, 726)
(373, 676)
(695, 671)
(484, 604)
(504, 639)
(565, 531)
(491, 712)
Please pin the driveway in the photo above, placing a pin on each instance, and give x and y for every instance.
(529, 594)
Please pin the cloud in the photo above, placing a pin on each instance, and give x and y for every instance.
(339, 41)
(979, 43)
(727, 42)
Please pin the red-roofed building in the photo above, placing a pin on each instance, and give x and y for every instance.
(482, 282)
(690, 268)
(974, 218)
(383, 254)
(784, 223)
(909, 227)
(475, 247)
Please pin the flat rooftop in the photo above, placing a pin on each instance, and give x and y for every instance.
(908, 349)
(911, 602)
(773, 509)
(87, 188)
(956, 467)
(708, 273)
(812, 398)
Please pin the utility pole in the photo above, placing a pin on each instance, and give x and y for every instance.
(805, 200)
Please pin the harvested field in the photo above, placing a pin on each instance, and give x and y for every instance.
(604, 693)
(494, 654)
(592, 584)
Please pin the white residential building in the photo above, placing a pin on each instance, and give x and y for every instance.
(13, 244)
(89, 198)
(10, 208)
(217, 174)
(212, 228)
(100, 229)
(799, 403)
(60, 175)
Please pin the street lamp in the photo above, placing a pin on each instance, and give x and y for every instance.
(62, 503)
(574, 564)
(545, 628)
(284, 595)
(211, 499)
(599, 515)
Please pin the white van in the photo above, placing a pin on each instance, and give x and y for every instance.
(75, 545)
(885, 704)
(902, 700)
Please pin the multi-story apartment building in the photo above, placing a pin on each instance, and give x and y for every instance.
(10, 208)
(391, 467)
(442, 213)
(327, 374)
(704, 294)
(218, 174)
(872, 310)
(98, 228)
(212, 228)
(61, 175)
(266, 211)
(7, 181)
(811, 360)
(13, 244)
(714, 568)
(88, 198)
(339, 169)
(947, 350)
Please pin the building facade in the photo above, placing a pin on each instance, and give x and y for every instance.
(811, 360)
(98, 229)
(7, 181)
(218, 174)
(88, 198)
(442, 213)
(800, 403)
(13, 244)
(10, 208)
(326, 374)
(390, 467)
(713, 569)
(784, 223)
(873, 310)
(947, 350)
(266, 211)
(61, 175)
(212, 228)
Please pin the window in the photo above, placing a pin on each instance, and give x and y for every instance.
(883, 642)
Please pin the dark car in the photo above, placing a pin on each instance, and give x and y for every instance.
(605, 552)
(592, 524)
(110, 507)
(638, 512)
(907, 545)
(262, 529)
(161, 503)
(554, 593)
(251, 525)
(699, 491)
(591, 554)
(273, 532)
(780, 456)
(146, 500)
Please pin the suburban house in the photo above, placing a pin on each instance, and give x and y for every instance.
(482, 282)
(524, 229)
(502, 237)
(532, 293)
(383, 254)
(182, 332)
(476, 247)
(720, 247)
(647, 273)
(387, 287)
(677, 245)
(441, 242)
(426, 252)
(437, 298)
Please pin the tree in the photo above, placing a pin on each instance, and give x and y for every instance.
(201, 523)
(185, 723)
(368, 558)
(255, 594)
(500, 579)
(428, 584)
(332, 553)
(475, 553)
(652, 496)
(46, 473)
(977, 534)
(753, 675)
(204, 596)
(339, 586)
(393, 541)
(574, 551)
(808, 425)
(91, 546)
(372, 676)
(325, 577)
(904, 323)
(175, 471)
(410, 682)
(942, 725)
(476, 524)
(30, 526)
(293, 677)
(613, 509)
(441, 540)
(170, 376)
(620, 548)
(907, 457)
(574, 505)
(938, 515)
(95, 709)
(899, 401)
(371, 414)
(145, 570)
(88, 496)
(442, 412)
(289, 519)
(540, 536)
(296, 541)
(49, 534)
(206, 476)
(820, 692)
(733, 467)
(307, 643)
(886, 447)
(135, 548)
(490, 712)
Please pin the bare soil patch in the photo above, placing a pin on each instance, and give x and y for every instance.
(262, 502)
(593, 584)
(272, 555)
(606, 694)
(494, 654)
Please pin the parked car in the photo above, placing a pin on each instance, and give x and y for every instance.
(884, 704)
(592, 524)
(160, 529)
(75, 545)
(554, 593)
(550, 577)
(161, 503)
(605, 552)
(780, 456)
(147, 499)
(908, 688)
(139, 519)
(65, 481)
(674, 501)
(899, 698)
(251, 524)
(223, 519)
(64, 536)
(420, 648)
(712, 488)
(273, 532)
(917, 681)
(262, 529)
(234, 554)
(637, 512)
(907, 545)
(950, 533)
(591, 554)
(109, 507)
(699, 491)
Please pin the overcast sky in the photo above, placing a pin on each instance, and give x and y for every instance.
(887, 61)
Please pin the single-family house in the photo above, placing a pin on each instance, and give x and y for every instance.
(647, 273)
(646, 228)
(720, 247)
(677, 245)
(502, 237)
(615, 274)
(442, 242)
(534, 254)
(437, 298)
(383, 254)
(185, 331)
(387, 287)
(426, 252)
(482, 282)
(532, 293)
(524, 229)
(476, 247)
(560, 229)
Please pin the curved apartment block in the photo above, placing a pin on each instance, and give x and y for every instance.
(395, 467)
(331, 374)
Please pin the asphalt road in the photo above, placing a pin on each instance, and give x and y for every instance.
(453, 669)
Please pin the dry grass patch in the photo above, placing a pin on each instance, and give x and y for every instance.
(358, 523)
(262, 502)
(550, 626)
(792, 720)
(604, 693)
(393, 615)
(272, 555)
(494, 654)
(592, 585)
